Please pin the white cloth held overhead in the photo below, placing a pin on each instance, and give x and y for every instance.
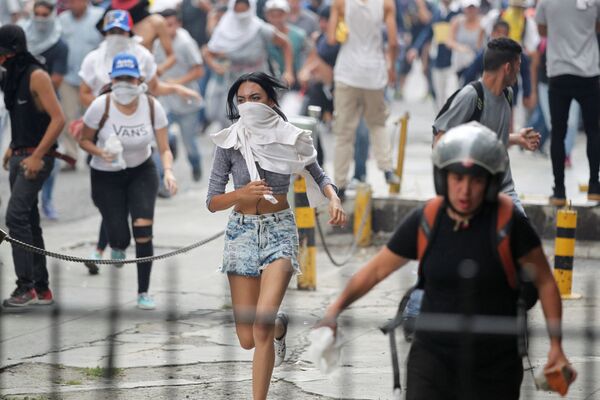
(263, 137)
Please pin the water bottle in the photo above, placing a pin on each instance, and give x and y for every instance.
(114, 146)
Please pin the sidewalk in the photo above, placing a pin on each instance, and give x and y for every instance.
(199, 344)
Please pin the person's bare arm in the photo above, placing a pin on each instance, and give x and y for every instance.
(389, 16)
(336, 13)
(423, 12)
(88, 136)
(160, 27)
(204, 5)
(166, 159)
(377, 269)
(193, 74)
(43, 91)
(86, 96)
(160, 88)
(536, 264)
(253, 190)
(280, 40)
(210, 59)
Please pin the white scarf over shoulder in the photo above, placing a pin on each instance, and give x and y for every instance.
(263, 137)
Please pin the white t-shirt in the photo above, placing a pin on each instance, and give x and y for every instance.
(97, 65)
(134, 131)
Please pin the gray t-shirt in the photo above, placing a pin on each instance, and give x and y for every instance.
(572, 42)
(187, 56)
(496, 115)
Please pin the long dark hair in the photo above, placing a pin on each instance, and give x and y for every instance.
(269, 84)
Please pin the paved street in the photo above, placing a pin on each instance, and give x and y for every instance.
(193, 354)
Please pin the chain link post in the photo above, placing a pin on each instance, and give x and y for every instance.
(307, 253)
(362, 206)
(564, 252)
(305, 215)
(395, 188)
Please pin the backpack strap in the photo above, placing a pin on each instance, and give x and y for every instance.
(151, 108)
(478, 86)
(104, 115)
(425, 231)
(503, 227)
(508, 93)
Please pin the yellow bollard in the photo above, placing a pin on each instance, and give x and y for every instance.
(564, 252)
(395, 189)
(307, 253)
(362, 214)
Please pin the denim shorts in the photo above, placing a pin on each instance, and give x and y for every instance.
(252, 242)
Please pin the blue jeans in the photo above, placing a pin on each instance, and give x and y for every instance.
(361, 151)
(23, 222)
(48, 187)
(188, 127)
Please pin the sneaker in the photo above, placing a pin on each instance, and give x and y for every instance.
(117, 254)
(44, 297)
(145, 302)
(558, 198)
(21, 297)
(196, 173)
(594, 191)
(49, 211)
(93, 267)
(280, 347)
(391, 178)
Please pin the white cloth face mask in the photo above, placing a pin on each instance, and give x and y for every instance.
(125, 93)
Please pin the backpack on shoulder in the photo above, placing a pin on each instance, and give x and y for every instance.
(478, 110)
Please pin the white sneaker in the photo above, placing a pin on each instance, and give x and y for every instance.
(280, 347)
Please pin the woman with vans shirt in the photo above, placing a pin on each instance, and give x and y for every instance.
(119, 128)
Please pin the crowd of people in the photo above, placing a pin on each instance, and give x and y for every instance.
(118, 79)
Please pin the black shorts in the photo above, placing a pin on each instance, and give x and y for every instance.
(432, 377)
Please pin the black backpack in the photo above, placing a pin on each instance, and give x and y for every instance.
(476, 115)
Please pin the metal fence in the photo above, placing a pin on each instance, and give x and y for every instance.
(175, 384)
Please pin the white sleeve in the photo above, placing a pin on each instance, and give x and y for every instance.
(94, 113)
(532, 36)
(160, 117)
(148, 65)
(87, 72)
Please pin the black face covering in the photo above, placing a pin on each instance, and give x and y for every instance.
(12, 37)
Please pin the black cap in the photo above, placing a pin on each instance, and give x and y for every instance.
(12, 39)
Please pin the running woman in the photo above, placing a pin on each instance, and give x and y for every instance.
(126, 184)
(260, 151)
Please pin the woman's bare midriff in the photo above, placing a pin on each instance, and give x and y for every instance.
(262, 206)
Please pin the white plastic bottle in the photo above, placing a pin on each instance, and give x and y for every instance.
(114, 146)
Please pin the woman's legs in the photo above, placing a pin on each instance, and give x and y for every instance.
(255, 305)
(273, 284)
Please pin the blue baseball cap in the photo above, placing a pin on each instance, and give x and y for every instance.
(125, 64)
(117, 19)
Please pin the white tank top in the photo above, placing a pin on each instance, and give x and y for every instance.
(361, 61)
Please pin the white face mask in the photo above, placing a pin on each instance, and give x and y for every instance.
(43, 24)
(244, 16)
(116, 44)
(125, 93)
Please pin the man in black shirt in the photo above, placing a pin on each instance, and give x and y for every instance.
(469, 163)
(36, 122)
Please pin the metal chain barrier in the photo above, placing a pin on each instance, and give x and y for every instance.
(65, 257)
(354, 244)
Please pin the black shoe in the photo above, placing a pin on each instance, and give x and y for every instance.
(559, 197)
(21, 297)
(196, 173)
(594, 191)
